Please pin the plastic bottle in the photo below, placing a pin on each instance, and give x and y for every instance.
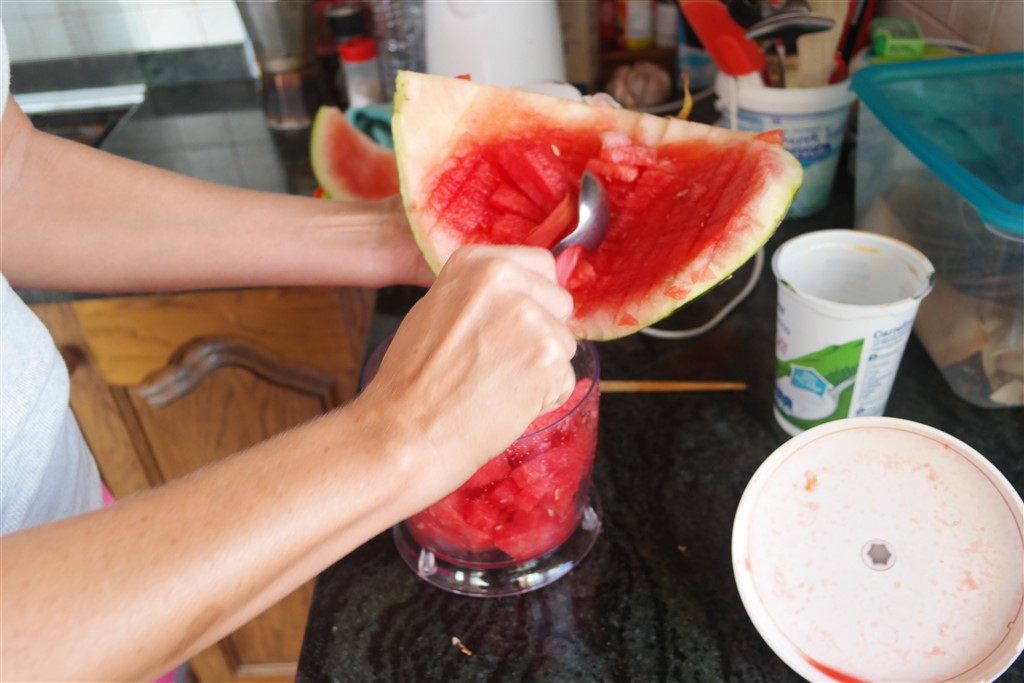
(362, 72)
(636, 24)
(398, 26)
(666, 19)
(346, 21)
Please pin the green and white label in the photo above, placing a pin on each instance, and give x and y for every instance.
(846, 306)
(835, 370)
(817, 387)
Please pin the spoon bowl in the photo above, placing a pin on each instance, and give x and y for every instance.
(592, 222)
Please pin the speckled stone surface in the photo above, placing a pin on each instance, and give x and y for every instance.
(655, 600)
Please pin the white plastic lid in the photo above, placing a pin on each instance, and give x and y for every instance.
(878, 549)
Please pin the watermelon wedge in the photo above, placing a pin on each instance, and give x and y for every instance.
(690, 203)
(346, 162)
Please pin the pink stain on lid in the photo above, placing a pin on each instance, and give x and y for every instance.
(951, 520)
(834, 674)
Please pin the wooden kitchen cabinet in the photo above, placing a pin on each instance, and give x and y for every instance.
(163, 385)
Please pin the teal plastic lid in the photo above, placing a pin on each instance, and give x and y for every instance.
(962, 117)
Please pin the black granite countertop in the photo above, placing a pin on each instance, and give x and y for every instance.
(655, 600)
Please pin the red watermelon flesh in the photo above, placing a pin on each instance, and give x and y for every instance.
(689, 203)
(526, 501)
(347, 163)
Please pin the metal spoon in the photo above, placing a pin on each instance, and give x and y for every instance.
(593, 217)
(790, 25)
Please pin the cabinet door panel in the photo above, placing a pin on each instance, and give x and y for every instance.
(163, 385)
(219, 397)
(230, 409)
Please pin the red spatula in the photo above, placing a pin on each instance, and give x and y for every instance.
(733, 53)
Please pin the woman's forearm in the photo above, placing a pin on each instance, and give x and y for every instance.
(79, 219)
(137, 588)
(134, 589)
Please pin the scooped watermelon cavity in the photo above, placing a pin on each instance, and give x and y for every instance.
(689, 203)
(348, 164)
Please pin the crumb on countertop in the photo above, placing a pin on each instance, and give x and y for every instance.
(462, 646)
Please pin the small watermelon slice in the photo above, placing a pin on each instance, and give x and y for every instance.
(347, 163)
(689, 203)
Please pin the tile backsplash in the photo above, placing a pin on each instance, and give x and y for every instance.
(58, 29)
(996, 25)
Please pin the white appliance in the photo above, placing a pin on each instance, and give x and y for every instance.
(502, 42)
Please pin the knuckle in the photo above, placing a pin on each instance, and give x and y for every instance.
(459, 258)
(565, 305)
(524, 312)
(496, 272)
(551, 353)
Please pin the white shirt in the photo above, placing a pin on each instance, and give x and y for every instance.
(46, 469)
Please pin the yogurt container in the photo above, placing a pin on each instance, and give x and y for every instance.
(846, 306)
(813, 123)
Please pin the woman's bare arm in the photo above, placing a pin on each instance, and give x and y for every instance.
(78, 219)
(129, 591)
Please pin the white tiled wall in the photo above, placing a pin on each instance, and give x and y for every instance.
(53, 29)
(996, 25)
(56, 29)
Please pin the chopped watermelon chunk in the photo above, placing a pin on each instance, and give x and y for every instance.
(524, 502)
(497, 468)
(536, 172)
(469, 207)
(510, 228)
(565, 263)
(480, 514)
(609, 170)
(532, 535)
(529, 472)
(630, 155)
(503, 493)
(582, 274)
(509, 199)
(776, 137)
(554, 226)
(575, 399)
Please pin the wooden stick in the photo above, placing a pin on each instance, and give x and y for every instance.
(625, 386)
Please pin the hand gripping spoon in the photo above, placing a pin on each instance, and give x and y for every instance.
(591, 226)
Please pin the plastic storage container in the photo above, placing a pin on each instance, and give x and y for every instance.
(940, 164)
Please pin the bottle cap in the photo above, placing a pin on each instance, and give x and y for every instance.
(358, 50)
(346, 21)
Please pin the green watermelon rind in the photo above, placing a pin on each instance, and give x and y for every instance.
(420, 140)
(319, 151)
